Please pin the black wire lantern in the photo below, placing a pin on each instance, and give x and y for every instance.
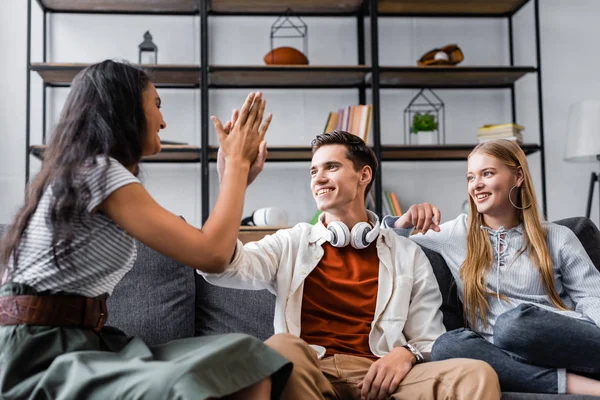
(425, 113)
(289, 26)
(148, 50)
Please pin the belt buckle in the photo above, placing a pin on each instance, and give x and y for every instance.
(101, 320)
(103, 312)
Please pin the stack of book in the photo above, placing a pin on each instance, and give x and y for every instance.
(391, 205)
(353, 119)
(501, 131)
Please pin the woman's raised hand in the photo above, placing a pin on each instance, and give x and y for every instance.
(257, 165)
(240, 138)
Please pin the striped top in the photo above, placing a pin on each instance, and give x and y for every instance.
(576, 278)
(101, 252)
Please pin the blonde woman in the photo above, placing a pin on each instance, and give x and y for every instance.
(530, 292)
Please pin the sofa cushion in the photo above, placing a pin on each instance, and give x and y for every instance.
(451, 305)
(587, 233)
(221, 310)
(155, 299)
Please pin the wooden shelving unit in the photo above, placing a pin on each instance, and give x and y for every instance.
(207, 77)
(278, 154)
(294, 76)
(254, 233)
(185, 7)
(451, 77)
(169, 154)
(450, 8)
(62, 74)
(275, 7)
(449, 152)
(455, 8)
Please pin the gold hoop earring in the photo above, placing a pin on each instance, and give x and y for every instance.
(513, 204)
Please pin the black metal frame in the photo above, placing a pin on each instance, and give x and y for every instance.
(538, 55)
(374, 23)
(594, 177)
(369, 9)
(204, 170)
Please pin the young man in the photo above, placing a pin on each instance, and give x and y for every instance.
(359, 304)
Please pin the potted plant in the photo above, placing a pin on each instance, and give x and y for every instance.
(425, 127)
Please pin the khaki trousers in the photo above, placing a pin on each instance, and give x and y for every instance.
(337, 377)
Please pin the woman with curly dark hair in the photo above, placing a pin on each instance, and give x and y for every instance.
(74, 239)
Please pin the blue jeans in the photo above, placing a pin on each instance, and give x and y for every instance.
(530, 347)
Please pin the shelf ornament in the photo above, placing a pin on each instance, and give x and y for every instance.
(288, 26)
(148, 51)
(424, 119)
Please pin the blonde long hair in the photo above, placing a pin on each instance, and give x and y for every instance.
(478, 262)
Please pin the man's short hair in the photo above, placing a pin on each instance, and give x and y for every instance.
(357, 150)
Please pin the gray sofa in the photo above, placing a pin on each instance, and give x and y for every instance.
(161, 300)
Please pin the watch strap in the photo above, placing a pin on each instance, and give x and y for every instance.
(415, 352)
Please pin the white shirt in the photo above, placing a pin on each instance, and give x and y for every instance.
(101, 252)
(408, 297)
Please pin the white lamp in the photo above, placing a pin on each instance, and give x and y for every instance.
(583, 144)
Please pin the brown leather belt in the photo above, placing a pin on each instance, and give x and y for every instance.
(68, 311)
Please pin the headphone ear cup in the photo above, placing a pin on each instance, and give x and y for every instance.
(340, 234)
(359, 235)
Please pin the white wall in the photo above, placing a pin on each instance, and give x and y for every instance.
(568, 31)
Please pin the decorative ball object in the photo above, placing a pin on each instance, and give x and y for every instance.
(448, 55)
(285, 56)
(440, 55)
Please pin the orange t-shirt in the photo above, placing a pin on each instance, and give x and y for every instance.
(339, 298)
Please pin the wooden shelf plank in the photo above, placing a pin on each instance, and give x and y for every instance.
(162, 75)
(479, 8)
(277, 7)
(451, 77)
(122, 6)
(306, 76)
(168, 154)
(278, 154)
(287, 76)
(255, 233)
(491, 8)
(453, 152)
(187, 153)
(458, 8)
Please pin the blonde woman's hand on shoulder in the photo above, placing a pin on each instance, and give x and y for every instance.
(422, 217)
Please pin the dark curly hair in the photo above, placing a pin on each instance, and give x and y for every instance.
(103, 116)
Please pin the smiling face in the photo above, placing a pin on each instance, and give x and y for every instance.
(489, 183)
(336, 185)
(154, 120)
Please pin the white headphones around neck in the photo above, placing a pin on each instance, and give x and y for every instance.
(362, 235)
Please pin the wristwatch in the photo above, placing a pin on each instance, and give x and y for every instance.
(415, 352)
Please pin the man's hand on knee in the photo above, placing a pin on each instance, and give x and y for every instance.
(385, 374)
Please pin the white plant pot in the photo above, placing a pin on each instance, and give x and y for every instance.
(426, 138)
